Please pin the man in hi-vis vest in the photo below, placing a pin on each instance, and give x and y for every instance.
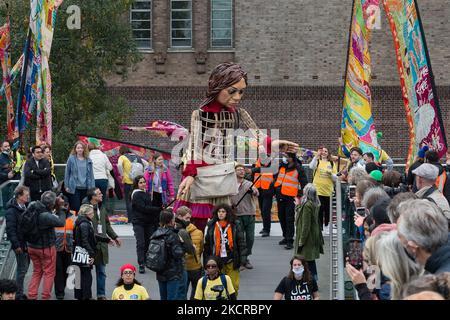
(289, 183)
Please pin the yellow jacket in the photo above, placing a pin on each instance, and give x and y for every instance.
(197, 241)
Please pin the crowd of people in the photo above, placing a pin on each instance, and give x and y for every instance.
(199, 239)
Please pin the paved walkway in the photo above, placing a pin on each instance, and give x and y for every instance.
(270, 261)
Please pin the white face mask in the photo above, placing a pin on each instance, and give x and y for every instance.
(285, 160)
(298, 271)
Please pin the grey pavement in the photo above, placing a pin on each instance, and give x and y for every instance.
(270, 261)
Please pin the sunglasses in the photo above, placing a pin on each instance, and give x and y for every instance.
(211, 266)
(128, 272)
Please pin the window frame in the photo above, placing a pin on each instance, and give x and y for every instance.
(150, 40)
(171, 38)
(211, 29)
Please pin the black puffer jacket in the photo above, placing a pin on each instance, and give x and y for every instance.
(13, 212)
(47, 222)
(175, 256)
(239, 254)
(84, 236)
(143, 210)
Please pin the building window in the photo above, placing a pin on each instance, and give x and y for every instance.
(221, 23)
(141, 23)
(181, 24)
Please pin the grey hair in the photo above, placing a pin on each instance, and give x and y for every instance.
(357, 174)
(48, 199)
(395, 264)
(85, 209)
(424, 223)
(372, 195)
(310, 193)
(393, 209)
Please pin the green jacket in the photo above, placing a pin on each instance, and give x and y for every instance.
(308, 236)
(102, 256)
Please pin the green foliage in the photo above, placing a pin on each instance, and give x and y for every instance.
(80, 62)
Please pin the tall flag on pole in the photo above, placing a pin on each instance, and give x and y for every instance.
(416, 78)
(357, 126)
(5, 59)
(35, 84)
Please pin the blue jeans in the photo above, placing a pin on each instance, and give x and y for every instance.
(76, 199)
(23, 262)
(182, 289)
(100, 271)
(169, 290)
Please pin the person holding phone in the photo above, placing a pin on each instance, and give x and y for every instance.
(206, 285)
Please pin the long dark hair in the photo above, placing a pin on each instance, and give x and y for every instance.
(136, 182)
(121, 283)
(306, 274)
(230, 218)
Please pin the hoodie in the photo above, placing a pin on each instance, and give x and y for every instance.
(439, 261)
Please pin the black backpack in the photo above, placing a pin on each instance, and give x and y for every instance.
(29, 224)
(157, 255)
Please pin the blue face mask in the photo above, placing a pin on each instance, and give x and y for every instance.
(285, 160)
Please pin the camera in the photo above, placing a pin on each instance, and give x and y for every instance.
(219, 289)
(361, 211)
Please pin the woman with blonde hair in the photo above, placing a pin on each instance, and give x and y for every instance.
(79, 175)
(395, 263)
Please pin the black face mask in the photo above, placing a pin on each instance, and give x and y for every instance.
(183, 223)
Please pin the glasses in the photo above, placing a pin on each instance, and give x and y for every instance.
(128, 272)
(211, 266)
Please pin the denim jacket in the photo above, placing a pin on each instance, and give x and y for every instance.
(71, 174)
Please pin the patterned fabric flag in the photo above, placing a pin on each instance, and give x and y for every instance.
(15, 71)
(35, 87)
(111, 149)
(5, 58)
(416, 77)
(162, 128)
(357, 126)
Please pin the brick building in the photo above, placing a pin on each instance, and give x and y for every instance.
(294, 52)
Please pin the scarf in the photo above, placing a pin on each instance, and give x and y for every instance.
(223, 228)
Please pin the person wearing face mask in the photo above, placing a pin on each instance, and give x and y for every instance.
(214, 285)
(299, 284)
(289, 183)
(6, 163)
(193, 260)
(128, 288)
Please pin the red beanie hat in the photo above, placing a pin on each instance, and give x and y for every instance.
(127, 266)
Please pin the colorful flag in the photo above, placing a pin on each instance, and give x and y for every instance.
(357, 126)
(35, 86)
(5, 59)
(165, 129)
(416, 78)
(111, 148)
(15, 71)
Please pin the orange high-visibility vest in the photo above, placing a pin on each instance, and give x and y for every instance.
(67, 229)
(288, 181)
(266, 178)
(440, 181)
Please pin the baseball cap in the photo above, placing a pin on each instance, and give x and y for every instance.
(427, 170)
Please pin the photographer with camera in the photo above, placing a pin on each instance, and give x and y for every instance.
(214, 285)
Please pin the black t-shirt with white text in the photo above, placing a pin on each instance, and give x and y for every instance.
(297, 289)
